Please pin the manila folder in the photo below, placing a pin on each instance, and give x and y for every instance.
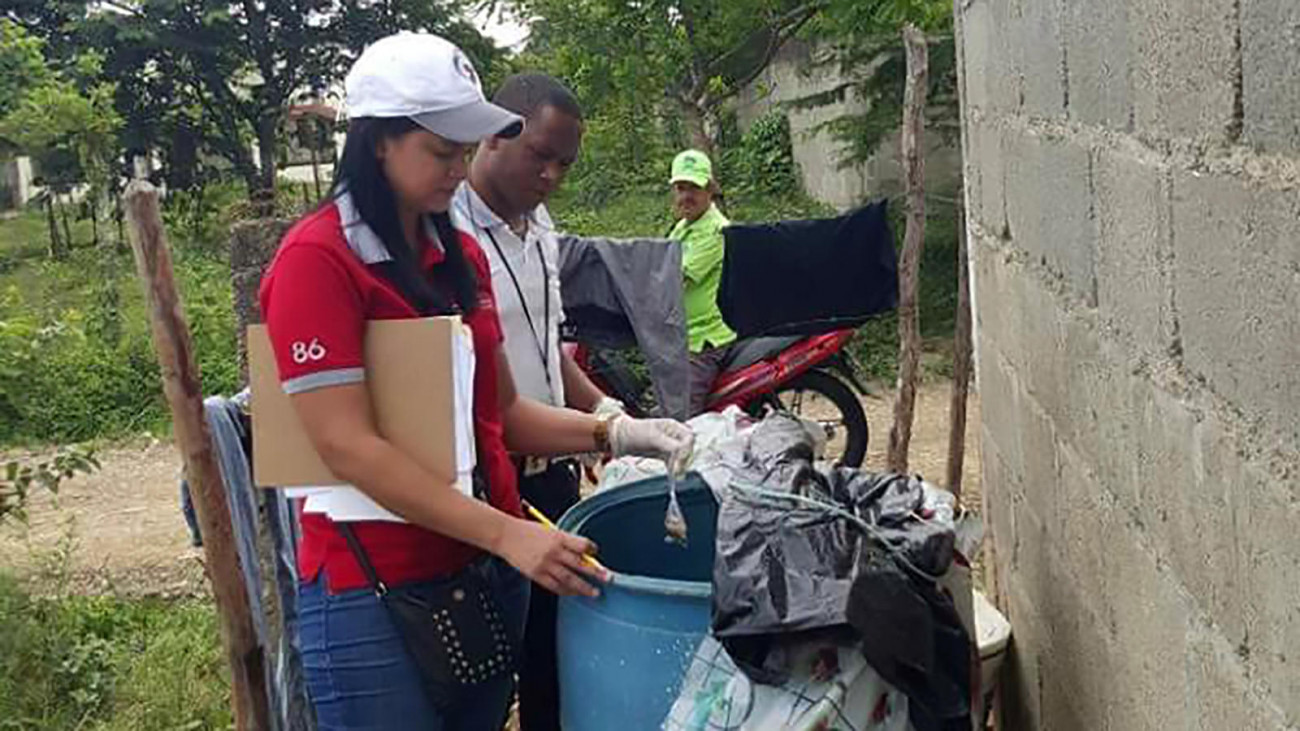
(411, 374)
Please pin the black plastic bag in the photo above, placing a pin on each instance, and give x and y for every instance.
(804, 551)
(787, 551)
(912, 635)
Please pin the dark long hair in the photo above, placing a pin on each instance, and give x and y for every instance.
(360, 174)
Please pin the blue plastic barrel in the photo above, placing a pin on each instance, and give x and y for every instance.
(622, 656)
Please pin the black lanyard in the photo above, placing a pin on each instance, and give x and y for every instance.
(543, 343)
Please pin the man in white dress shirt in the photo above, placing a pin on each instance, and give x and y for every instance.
(502, 204)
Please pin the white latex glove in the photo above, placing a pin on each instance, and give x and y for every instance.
(608, 407)
(671, 441)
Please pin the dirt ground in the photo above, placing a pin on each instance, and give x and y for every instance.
(121, 531)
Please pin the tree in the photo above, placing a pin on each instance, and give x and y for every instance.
(65, 132)
(63, 118)
(22, 64)
(698, 55)
(227, 72)
(694, 55)
(717, 72)
(866, 49)
(57, 117)
(55, 22)
(219, 76)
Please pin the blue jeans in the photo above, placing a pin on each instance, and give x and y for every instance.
(361, 676)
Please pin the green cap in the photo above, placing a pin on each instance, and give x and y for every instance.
(692, 166)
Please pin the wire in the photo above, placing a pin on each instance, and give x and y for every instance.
(868, 529)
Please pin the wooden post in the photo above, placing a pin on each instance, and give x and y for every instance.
(56, 245)
(180, 376)
(67, 230)
(909, 326)
(119, 217)
(315, 156)
(961, 361)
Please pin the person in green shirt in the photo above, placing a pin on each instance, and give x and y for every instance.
(699, 229)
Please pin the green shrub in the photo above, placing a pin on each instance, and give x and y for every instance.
(201, 218)
(107, 663)
(19, 474)
(763, 160)
(82, 366)
(619, 156)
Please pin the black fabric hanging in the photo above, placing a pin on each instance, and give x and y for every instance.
(809, 277)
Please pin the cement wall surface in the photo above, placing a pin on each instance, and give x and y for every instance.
(1133, 187)
(796, 73)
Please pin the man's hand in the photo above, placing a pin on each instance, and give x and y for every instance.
(671, 441)
(608, 407)
(579, 392)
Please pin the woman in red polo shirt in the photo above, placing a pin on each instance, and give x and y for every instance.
(389, 566)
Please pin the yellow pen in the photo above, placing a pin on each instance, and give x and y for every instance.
(541, 518)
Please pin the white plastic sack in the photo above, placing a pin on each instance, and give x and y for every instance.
(834, 688)
(720, 442)
(715, 443)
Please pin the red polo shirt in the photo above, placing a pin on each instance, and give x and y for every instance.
(316, 297)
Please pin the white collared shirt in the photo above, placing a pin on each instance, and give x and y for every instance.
(523, 348)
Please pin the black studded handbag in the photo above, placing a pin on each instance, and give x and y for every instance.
(453, 627)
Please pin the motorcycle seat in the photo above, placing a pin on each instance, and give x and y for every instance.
(747, 352)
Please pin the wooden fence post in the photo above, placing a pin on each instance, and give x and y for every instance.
(909, 326)
(961, 361)
(180, 377)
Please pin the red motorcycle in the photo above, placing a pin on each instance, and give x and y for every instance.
(813, 377)
(824, 276)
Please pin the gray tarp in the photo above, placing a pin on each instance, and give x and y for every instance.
(286, 685)
(623, 292)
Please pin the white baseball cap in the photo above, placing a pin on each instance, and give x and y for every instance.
(429, 80)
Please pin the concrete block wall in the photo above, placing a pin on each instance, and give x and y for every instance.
(792, 75)
(1133, 188)
(252, 246)
(796, 73)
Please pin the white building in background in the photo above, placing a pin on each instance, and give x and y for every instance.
(18, 184)
(17, 188)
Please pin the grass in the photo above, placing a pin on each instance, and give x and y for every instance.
(76, 361)
(27, 235)
(109, 664)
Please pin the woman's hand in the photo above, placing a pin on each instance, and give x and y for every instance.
(554, 559)
(671, 441)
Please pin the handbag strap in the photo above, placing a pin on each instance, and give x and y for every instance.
(363, 559)
(389, 271)
(359, 553)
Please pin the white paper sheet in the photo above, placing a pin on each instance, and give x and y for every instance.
(345, 503)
